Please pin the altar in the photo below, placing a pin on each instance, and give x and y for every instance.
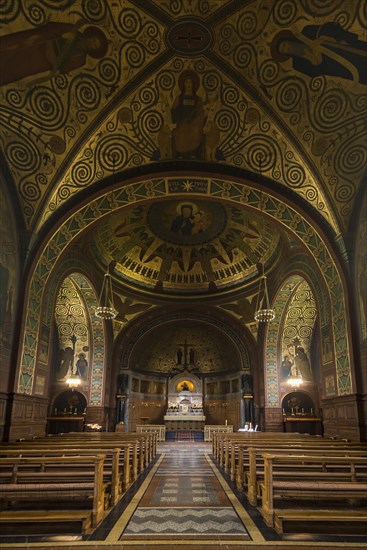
(184, 422)
(185, 404)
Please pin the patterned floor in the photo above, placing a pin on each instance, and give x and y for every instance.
(185, 498)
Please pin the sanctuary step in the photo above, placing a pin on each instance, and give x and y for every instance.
(184, 435)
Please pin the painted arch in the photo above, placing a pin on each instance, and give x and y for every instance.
(90, 329)
(296, 312)
(157, 189)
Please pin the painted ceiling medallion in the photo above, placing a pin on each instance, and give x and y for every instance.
(187, 222)
(186, 246)
(189, 37)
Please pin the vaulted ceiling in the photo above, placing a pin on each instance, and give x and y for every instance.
(89, 88)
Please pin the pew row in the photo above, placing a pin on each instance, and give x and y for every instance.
(328, 469)
(46, 521)
(227, 444)
(220, 440)
(147, 442)
(33, 487)
(133, 450)
(273, 488)
(241, 467)
(126, 456)
(337, 521)
(115, 472)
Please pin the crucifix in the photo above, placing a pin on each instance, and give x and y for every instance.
(187, 355)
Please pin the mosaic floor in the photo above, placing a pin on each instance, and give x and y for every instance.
(183, 501)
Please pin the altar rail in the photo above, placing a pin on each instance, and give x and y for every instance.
(212, 428)
(153, 428)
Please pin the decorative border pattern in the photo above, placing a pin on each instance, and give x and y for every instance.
(96, 391)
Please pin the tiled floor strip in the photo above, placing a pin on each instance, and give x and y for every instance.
(185, 497)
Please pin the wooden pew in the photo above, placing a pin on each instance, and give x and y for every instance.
(159, 429)
(240, 456)
(218, 438)
(34, 488)
(125, 456)
(227, 445)
(149, 439)
(141, 456)
(337, 521)
(223, 442)
(147, 442)
(112, 474)
(127, 460)
(272, 488)
(314, 471)
(42, 522)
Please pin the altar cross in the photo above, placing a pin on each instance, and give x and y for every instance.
(188, 356)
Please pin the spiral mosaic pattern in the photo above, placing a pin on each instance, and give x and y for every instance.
(244, 86)
(286, 12)
(94, 10)
(70, 316)
(300, 318)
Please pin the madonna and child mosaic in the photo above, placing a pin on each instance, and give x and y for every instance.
(187, 222)
(179, 244)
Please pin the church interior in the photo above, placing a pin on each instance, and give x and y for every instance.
(183, 266)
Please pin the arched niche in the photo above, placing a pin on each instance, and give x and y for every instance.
(298, 403)
(90, 332)
(72, 320)
(69, 402)
(185, 392)
(168, 344)
(289, 340)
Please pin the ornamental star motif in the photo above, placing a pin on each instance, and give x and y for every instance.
(187, 186)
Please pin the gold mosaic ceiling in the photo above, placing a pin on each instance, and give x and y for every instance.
(185, 246)
(90, 87)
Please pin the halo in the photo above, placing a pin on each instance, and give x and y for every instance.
(188, 73)
(274, 46)
(186, 203)
(95, 32)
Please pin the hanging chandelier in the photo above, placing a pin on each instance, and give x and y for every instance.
(106, 309)
(295, 379)
(263, 313)
(73, 380)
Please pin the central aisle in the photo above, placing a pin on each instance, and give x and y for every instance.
(185, 498)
